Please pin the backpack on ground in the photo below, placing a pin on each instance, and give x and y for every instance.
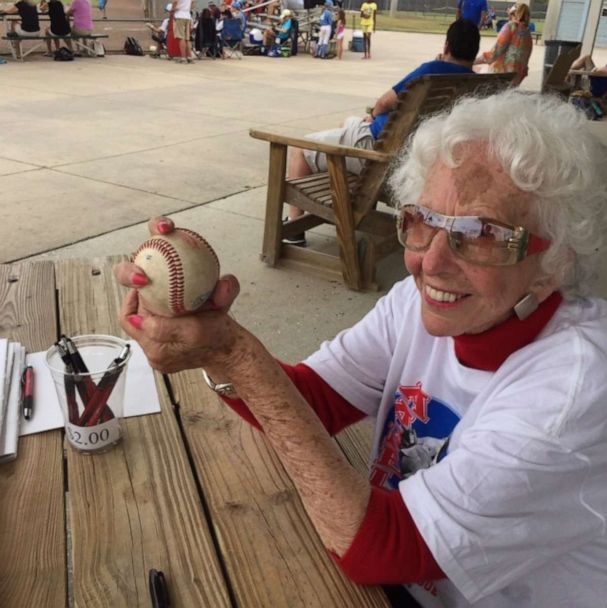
(64, 54)
(132, 47)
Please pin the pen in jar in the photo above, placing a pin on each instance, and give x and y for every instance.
(27, 388)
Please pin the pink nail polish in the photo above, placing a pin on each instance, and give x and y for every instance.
(136, 321)
(139, 279)
(164, 227)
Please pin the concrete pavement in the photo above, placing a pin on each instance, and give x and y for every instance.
(91, 149)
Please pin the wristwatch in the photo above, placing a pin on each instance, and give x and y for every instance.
(225, 390)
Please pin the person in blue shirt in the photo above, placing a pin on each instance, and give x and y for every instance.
(324, 35)
(472, 10)
(459, 52)
(281, 34)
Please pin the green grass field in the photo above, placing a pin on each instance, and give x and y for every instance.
(429, 23)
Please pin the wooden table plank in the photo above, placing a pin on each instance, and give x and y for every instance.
(135, 507)
(273, 554)
(32, 515)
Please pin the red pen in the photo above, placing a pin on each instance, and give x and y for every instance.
(27, 387)
(94, 409)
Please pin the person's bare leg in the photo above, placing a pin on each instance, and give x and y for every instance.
(68, 42)
(268, 36)
(188, 44)
(182, 54)
(298, 167)
(47, 32)
(583, 63)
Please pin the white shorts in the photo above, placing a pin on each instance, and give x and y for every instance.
(25, 34)
(355, 133)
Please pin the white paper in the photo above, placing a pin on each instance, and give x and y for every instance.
(141, 396)
(3, 359)
(10, 431)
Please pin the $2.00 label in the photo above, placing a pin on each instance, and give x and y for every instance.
(92, 438)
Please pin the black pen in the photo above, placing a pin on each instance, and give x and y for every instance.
(158, 589)
(27, 388)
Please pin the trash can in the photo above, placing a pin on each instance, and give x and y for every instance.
(553, 48)
(358, 45)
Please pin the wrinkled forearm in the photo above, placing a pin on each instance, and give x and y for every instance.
(334, 495)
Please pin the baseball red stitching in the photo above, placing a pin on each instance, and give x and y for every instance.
(176, 286)
(198, 242)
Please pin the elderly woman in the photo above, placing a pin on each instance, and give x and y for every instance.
(483, 371)
(513, 45)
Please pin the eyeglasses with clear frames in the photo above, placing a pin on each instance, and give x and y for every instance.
(477, 240)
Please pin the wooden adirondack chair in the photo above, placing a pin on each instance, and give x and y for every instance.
(556, 80)
(349, 202)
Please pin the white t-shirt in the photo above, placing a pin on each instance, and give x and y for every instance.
(182, 9)
(514, 505)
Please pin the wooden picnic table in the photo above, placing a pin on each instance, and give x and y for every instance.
(192, 491)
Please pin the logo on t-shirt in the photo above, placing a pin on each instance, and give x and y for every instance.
(415, 436)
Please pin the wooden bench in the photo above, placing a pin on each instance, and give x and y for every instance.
(349, 202)
(79, 41)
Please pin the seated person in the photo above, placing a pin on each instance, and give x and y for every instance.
(82, 18)
(238, 14)
(224, 13)
(205, 37)
(215, 12)
(489, 19)
(486, 363)
(598, 85)
(459, 52)
(60, 26)
(28, 24)
(159, 33)
(280, 34)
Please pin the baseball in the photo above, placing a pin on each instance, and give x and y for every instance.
(182, 269)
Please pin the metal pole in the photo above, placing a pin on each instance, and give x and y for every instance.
(393, 7)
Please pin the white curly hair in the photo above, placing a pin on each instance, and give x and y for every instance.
(548, 149)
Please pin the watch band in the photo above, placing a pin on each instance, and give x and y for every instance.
(226, 390)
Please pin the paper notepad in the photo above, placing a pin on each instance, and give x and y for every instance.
(11, 396)
(9, 436)
(3, 378)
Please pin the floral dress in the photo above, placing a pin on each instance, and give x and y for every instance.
(511, 51)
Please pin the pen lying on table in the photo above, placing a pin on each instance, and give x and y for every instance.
(158, 589)
(27, 392)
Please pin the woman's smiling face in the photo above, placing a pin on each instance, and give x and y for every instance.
(459, 297)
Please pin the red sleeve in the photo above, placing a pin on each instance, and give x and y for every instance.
(388, 548)
(334, 411)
